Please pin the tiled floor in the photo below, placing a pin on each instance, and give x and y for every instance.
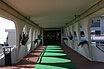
(80, 61)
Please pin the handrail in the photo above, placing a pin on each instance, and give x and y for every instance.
(100, 48)
(97, 44)
(1, 54)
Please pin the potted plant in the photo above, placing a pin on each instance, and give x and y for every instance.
(36, 40)
(65, 39)
(23, 49)
(82, 43)
(70, 36)
(39, 36)
(23, 39)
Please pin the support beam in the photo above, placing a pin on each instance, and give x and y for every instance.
(99, 5)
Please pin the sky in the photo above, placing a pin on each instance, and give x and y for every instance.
(5, 24)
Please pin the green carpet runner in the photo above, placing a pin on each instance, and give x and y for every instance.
(53, 57)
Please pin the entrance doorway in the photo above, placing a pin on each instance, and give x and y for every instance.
(52, 37)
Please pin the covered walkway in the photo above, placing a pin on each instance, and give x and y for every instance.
(52, 59)
(77, 26)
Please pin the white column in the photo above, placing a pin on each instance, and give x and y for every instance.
(77, 28)
(85, 23)
(72, 33)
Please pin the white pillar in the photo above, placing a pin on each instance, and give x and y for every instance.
(77, 28)
(72, 33)
(85, 23)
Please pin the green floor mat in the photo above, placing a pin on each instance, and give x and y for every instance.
(54, 58)
(54, 54)
(55, 66)
(53, 46)
(49, 48)
(54, 50)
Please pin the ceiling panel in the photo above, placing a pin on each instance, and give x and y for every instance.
(51, 13)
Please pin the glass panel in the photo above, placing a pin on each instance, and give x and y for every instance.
(97, 31)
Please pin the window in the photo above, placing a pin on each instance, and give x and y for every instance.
(95, 23)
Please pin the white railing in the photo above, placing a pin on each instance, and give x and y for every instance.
(99, 46)
(1, 51)
(98, 37)
(1, 54)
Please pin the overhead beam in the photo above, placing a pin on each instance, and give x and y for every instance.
(99, 5)
(10, 10)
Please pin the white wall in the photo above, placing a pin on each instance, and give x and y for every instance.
(90, 52)
(98, 55)
(19, 27)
